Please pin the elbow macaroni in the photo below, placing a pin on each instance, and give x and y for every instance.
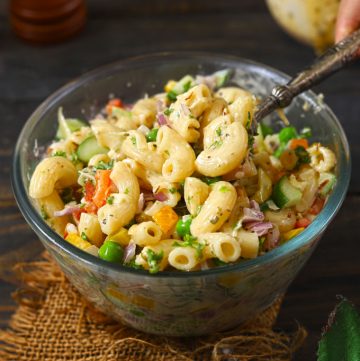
(181, 183)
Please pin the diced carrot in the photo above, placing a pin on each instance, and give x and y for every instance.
(116, 102)
(89, 191)
(317, 206)
(103, 186)
(89, 207)
(294, 143)
(166, 218)
(302, 223)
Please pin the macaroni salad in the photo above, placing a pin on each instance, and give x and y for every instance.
(178, 181)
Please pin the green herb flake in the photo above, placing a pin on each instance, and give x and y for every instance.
(84, 236)
(187, 86)
(303, 155)
(191, 241)
(168, 111)
(173, 190)
(216, 144)
(59, 153)
(126, 191)
(171, 95)
(74, 158)
(104, 166)
(44, 214)
(153, 260)
(218, 131)
(133, 140)
(110, 200)
(224, 189)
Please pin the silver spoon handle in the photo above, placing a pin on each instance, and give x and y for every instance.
(335, 58)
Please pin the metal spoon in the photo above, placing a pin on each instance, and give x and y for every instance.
(334, 59)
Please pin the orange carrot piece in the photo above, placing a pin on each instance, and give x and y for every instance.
(294, 143)
(103, 186)
(166, 218)
(317, 206)
(113, 103)
(302, 223)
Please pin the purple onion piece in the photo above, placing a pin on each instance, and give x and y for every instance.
(129, 252)
(162, 119)
(148, 196)
(66, 211)
(254, 205)
(251, 215)
(260, 228)
(141, 203)
(161, 197)
(272, 238)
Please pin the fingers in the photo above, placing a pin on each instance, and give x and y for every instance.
(348, 18)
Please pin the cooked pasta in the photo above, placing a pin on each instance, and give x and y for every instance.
(178, 181)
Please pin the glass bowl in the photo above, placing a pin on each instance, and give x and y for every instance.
(176, 303)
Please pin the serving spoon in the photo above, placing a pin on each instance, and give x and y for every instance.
(334, 59)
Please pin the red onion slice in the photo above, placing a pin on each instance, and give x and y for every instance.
(272, 238)
(67, 210)
(251, 215)
(209, 80)
(260, 228)
(141, 203)
(129, 252)
(185, 109)
(255, 205)
(161, 197)
(162, 119)
(160, 106)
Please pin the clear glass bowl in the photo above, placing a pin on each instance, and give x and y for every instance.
(176, 303)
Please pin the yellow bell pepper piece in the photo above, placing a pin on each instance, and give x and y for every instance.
(170, 85)
(293, 233)
(77, 241)
(122, 237)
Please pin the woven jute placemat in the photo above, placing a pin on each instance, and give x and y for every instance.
(53, 322)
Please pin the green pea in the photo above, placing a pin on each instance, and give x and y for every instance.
(111, 251)
(286, 134)
(151, 136)
(183, 227)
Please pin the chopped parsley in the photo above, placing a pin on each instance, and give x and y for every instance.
(216, 144)
(191, 241)
(133, 140)
(248, 122)
(84, 236)
(224, 189)
(59, 153)
(218, 131)
(168, 111)
(173, 190)
(303, 155)
(211, 180)
(126, 191)
(132, 264)
(104, 166)
(187, 86)
(74, 158)
(171, 95)
(44, 214)
(110, 200)
(153, 260)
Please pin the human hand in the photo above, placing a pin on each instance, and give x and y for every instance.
(348, 19)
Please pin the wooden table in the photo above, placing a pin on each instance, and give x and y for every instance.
(116, 30)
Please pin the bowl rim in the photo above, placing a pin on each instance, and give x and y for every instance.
(33, 218)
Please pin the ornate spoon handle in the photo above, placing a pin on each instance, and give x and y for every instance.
(334, 59)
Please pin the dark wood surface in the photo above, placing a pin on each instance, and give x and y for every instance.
(119, 29)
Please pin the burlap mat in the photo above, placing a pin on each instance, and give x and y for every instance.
(54, 323)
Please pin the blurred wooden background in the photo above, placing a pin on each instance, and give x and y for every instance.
(119, 29)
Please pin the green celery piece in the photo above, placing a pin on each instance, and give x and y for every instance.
(341, 339)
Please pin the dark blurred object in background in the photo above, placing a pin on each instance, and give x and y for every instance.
(47, 21)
